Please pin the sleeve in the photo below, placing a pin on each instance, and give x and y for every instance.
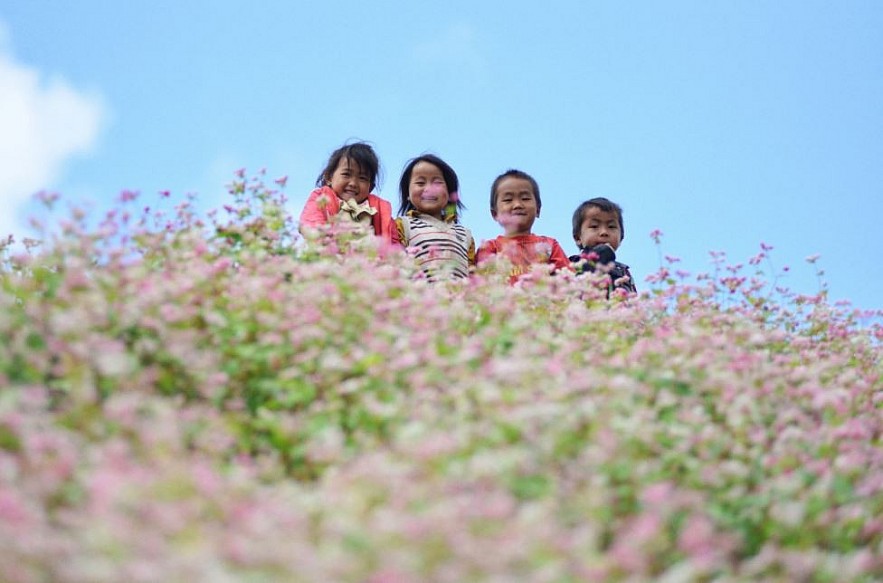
(394, 239)
(470, 252)
(398, 236)
(626, 284)
(316, 211)
(487, 250)
(558, 257)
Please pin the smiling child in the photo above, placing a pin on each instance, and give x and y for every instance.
(429, 225)
(515, 205)
(344, 193)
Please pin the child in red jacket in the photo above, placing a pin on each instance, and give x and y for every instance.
(516, 204)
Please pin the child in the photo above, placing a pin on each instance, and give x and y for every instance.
(598, 230)
(428, 224)
(515, 204)
(344, 190)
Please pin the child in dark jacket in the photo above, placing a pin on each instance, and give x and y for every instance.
(598, 230)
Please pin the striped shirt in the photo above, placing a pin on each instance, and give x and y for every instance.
(442, 250)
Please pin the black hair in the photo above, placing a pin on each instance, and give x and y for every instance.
(452, 183)
(605, 205)
(513, 173)
(359, 152)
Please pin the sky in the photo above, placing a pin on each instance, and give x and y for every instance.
(723, 124)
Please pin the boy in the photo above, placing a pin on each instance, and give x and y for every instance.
(598, 230)
(515, 204)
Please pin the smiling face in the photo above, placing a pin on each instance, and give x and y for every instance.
(427, 189)
(348, 181)
(516, 206)
(599, 227)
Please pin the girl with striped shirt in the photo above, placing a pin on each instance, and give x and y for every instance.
(428, 225)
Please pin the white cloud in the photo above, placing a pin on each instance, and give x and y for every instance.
(45, 122)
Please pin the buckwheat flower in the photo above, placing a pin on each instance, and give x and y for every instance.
(697, 539)
(631, 545)
(434, 188)
(657, 494)
(128, 195)
(389, 574)
(30, 244)
(112, 359)
(506, 219)
(543, 250)
(14, 510)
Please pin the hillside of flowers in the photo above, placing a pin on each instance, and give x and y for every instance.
(189, 397)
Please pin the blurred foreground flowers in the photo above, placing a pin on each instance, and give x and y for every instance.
(211, 399)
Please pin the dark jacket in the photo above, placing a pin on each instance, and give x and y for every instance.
(603, 257)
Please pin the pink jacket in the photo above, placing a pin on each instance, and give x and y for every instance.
(316, 214)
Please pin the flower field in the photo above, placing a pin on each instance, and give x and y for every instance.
(188, 398)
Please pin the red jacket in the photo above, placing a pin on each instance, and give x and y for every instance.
(523, 251)
(316, 214)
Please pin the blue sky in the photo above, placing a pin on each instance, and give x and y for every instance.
(724, 124)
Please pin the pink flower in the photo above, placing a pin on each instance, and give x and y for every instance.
(13, 511)
(434, 189)
(128, 195)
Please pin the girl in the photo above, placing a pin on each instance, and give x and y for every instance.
(344, 191)
(428, 225)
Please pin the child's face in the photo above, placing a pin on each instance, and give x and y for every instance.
(427, 189)
(516, 206)
(599, 227)
(349, 182)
